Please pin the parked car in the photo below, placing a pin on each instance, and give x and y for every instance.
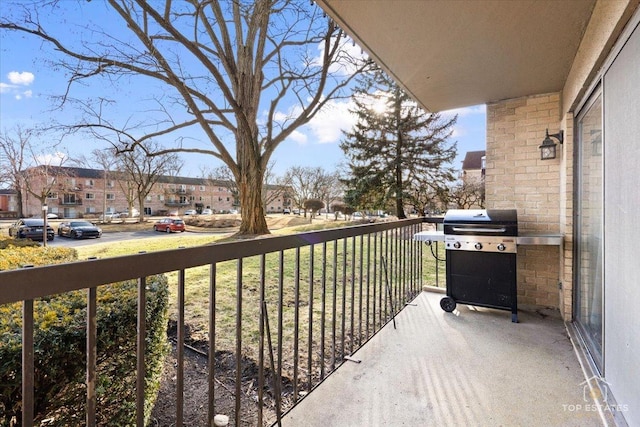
(207, 212)
(286, 211)
(30, 228)
(79, 230)
(169, 225)
(135, 213)
(190, 212)
(109, 216)
(52, 216)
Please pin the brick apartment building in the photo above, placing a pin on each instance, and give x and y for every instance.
(81, 192)
(473, 166)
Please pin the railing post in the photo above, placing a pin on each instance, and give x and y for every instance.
(27, 363)
(92, 356)
(212, 344)
(238, 396)
(180, 351)
(140, 350)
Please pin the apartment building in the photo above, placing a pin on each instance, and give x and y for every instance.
(80, 192)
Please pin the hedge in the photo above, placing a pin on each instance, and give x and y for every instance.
(60, 344)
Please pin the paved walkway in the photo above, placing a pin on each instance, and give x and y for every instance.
(472, 367)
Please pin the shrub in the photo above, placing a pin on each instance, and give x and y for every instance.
(59, 350)
(313, 205)
(6, 241)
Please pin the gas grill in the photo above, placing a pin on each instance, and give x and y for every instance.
(481, 259)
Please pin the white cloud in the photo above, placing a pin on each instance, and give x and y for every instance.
(24, 78)
(5, 88)
(54, 159)
(466, 111)
(28, 93)
(298, 137)
(328, 124)
(349, 57)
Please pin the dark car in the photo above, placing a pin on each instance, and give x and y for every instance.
(169, 225)
(79, 229)
(30, 228)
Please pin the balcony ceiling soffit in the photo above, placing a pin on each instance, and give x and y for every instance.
(451, 54)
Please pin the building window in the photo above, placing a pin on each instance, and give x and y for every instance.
(111, 196)
(89, 196)
(69, 199)
(202, 188)
(89, 209)
(161, 197)
(192, 198)
(89, 183)
(111, 184)
(52, 195)
(148, 198)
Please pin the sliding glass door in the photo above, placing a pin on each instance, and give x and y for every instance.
(589, 216)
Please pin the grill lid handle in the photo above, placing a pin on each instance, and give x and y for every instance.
(480, 229)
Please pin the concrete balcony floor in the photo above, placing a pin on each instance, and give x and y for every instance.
(472, 367)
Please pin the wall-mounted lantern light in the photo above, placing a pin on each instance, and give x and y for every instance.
(548, 147)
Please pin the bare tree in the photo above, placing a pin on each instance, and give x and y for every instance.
(425, 194)
(467, 193)
(137, 173)
(307, 183)
(314, 206)
(230, 68)
(329, 188)
(14, 155)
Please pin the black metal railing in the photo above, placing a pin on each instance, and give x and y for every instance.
(302, 305)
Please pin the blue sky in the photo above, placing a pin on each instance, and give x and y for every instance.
(27, 83)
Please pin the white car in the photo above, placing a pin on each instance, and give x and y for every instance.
(207, 212)
(190, 212)
(108, 216)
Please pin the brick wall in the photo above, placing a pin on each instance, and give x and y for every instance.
(516, 178)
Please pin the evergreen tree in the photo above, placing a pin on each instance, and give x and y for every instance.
(393, 144)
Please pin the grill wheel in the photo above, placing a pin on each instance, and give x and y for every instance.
(448, 304)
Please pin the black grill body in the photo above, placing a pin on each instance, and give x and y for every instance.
(481, 259)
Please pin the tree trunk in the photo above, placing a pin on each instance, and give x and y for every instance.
(253, 220)
(141, 210)
(20, 201)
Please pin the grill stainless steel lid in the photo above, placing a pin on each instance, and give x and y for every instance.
(481, 258)
(481, 222)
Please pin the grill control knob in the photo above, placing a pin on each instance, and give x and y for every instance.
(478, 246)
(457, 245)
(501, 247)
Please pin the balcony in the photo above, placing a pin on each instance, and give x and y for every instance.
(335, 310)
(176, 203)
(77, 201)
(178, 191)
